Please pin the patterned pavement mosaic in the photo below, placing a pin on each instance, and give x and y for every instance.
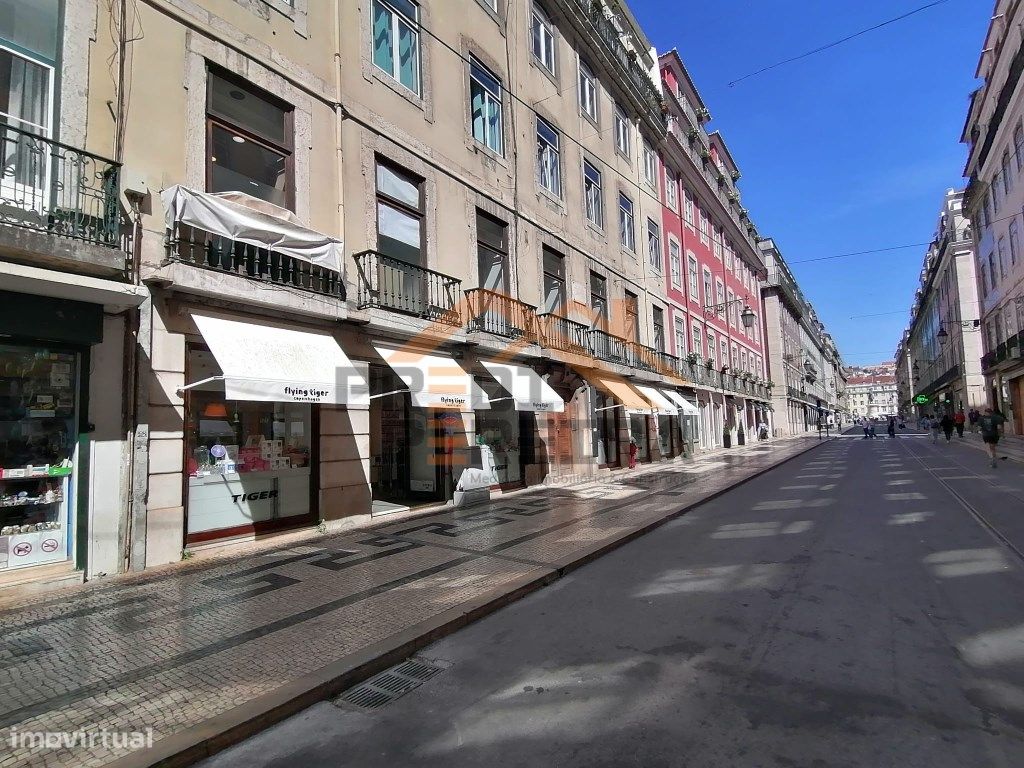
(156, 655)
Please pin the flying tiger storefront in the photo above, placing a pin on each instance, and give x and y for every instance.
(252, 414)
(620, 414)
(507, 433)
(422, 406)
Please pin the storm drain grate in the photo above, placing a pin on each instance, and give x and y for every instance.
(389, 685)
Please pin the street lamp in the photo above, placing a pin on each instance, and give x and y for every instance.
(942, 335)
(747, 315)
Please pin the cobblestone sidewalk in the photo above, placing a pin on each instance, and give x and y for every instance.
(189, 654)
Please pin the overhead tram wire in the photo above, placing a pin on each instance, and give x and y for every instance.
(837, 42)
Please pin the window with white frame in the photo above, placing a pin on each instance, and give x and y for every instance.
(627, 235)
(1007, 173)
(1014, 241)
(688, 207)
(698, 343)
(720, 296)
(691, 263)
(735, 359)
(725, 351)
(712, 347)
(1001, 248)
(396, 40)
(753, 329)
(675, 264)
(650, 164)
(704, 225)
(680, 336)
(485, 100)
(996, 184)
(717, 236)
(671, 186)
(592, 195)
(542, 32)
(731, 308)
(743, 360)
(621, 131)
(587, 90)
(549, 168)
(654, 245)
(1018, 146)
(709, 296)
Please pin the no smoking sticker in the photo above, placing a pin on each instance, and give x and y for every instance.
(49, 545)
(21, 549)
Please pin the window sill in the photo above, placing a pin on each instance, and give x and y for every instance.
(412, 97)
(546, 195)
(483, 149)
(552, 76)
(595, 229)
(590, 119)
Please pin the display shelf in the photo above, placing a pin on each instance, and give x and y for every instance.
(33, 502)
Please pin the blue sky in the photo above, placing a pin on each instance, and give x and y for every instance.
(848, 150)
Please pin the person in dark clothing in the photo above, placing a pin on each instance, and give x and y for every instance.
(990, 425)
(972, 418)
(892, 426)
(947, 426)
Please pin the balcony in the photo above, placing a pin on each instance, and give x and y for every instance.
(667, 364)
(557, 332)
(1007, 350)
(199, 248)
(501, 315)
(640, 357)
(788, 292)
(51, 190)
(605, 346)
(398, 286)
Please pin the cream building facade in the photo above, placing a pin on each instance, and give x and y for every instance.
(335, 260)
(994, 201)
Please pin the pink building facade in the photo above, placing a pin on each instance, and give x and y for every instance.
(713, 271)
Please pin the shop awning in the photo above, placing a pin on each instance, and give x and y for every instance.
(529, 391)
(662, 405)
(434, 381)
(271, 363)
(686, 408)
(620, 389)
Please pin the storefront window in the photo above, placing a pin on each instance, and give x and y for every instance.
(249, 463)
(607, 415)
(667, 440)
(499, 434)
(638, 431)
(38, 437)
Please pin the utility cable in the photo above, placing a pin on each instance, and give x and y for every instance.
(837, 42)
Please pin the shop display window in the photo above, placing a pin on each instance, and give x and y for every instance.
(607, 415)
(499, 431)
(38, 438)
(248, 462)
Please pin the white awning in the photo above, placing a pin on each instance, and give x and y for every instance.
(529, 391)
(434, 381)
(281, 365)
(686, 408)
(241, 217)
(662, 405)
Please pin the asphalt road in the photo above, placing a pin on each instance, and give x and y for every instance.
(845, 609)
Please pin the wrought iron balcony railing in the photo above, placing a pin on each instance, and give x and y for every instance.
(641, 357)
(557, 332)
(390, 283)
(605, 346)
(501, 315)
(669, 365)
(200, 248)
(50, 187)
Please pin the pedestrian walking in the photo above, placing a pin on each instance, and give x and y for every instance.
(871, 430)
(633, 448)
(936, 424)
(892, 426)
(946, 422)
(972, 418)
(990, 425)
(958, 421)
(864, 424)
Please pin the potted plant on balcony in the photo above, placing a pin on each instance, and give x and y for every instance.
(736, 175)
(703, 115)
(744, 213)
(693, 358)
(705, 153)
(709, 364)
(692, 134)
